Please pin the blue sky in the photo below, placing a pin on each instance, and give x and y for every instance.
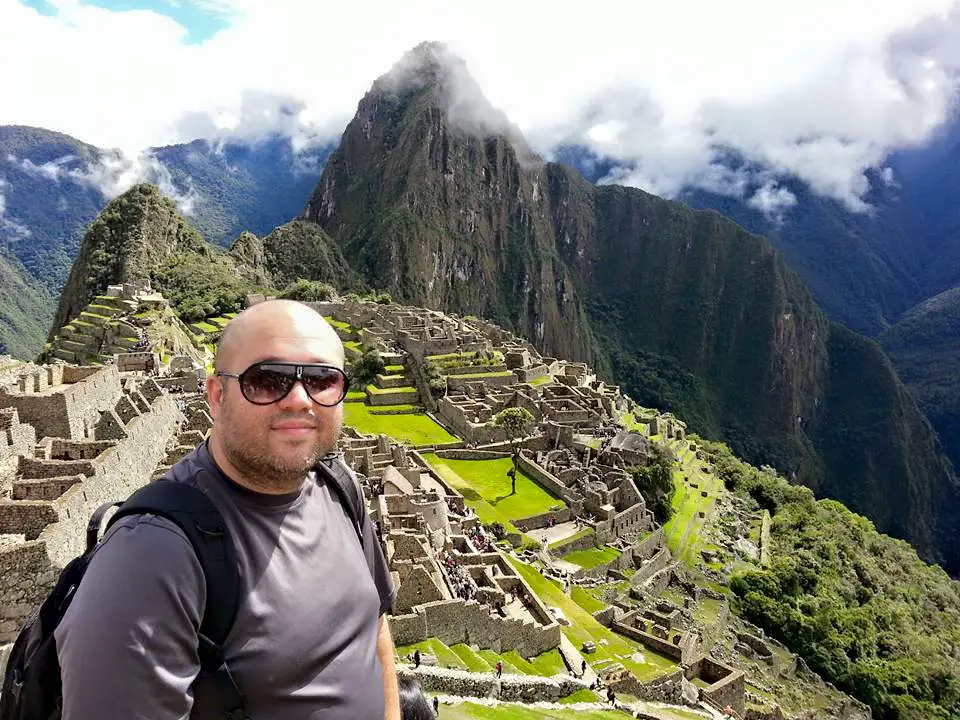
(202, 20)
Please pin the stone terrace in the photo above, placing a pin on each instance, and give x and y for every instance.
(71, 438)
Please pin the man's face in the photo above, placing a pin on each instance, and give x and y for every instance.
(275, 445)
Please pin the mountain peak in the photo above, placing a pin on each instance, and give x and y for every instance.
(435, 73)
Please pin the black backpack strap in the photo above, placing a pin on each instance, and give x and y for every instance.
(194, 513)
(335, 470)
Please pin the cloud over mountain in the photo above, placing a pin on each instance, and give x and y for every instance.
(820, 90)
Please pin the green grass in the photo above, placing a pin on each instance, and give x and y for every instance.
(488, 480)
(395, 409)
(356, 395)
(445, 656)
(394, 369)
(542, 380)
(340, 324)
(374, 390)
(205, 327)
(472, 711)
(592, 557)
(473, 661)
(414, 428)
(585, 600)
(687, 502)
(584, 627)
(220, 322)
(584, 695)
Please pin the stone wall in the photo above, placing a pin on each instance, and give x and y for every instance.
(727, 685)
(581, 542)
(472, 454)
(67, 410)
(509, 688)
(646, 548)
(535, 522)
(119, 471)
(666, 688)
(660, 645)
(657, 563)
(459, 621)
(26, 577)
(547, 480)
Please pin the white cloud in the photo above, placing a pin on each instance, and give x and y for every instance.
(772, 200)
(821, 90)
(113, 173)
(10, 229)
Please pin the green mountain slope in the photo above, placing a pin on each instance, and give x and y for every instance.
(925, 348)
(439, 203)
(24, 310)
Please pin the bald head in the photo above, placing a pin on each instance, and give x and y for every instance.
(288, 320)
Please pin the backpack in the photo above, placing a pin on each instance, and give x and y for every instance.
(31, 684)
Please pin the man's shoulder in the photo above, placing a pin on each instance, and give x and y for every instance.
(191, 467)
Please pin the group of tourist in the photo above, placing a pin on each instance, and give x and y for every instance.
(480, 541)
(460, 579)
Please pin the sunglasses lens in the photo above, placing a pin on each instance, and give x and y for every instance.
(324, 385)
(264, 385)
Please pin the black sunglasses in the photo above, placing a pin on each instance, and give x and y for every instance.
(269, 382)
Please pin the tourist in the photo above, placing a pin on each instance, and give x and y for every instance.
(416, 658)
(436, 706)
(499, 668)
(310, 636)
(583, 668)
(413, 703)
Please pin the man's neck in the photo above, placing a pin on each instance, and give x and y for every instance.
(266, 486)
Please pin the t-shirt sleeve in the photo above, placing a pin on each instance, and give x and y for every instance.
(127, 644)
(377, 563)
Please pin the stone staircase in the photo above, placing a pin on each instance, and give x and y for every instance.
(98, 332)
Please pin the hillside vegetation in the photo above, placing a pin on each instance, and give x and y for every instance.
(858, 606)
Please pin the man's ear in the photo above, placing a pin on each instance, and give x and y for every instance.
(214, 388)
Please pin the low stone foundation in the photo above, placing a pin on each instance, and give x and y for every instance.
(509, 688)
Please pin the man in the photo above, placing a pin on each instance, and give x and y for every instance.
(310, 639)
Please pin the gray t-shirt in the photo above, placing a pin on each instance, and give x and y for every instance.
(303, 644)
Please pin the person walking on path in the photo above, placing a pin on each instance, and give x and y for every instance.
(310, 636)
(499, 668)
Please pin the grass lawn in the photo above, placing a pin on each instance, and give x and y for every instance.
(415, 428)
(488, 480)
(592, 557)
(585, 600)
(340, 324)
(374, 390)
(682, 531)
(394, 369)
(462, 657)
(584, 627)
(394, 409)
(542, 380)
(205, 327)
(472, 711)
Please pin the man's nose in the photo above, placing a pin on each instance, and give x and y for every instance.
(297, 398)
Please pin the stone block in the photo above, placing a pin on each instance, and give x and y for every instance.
(44, 488)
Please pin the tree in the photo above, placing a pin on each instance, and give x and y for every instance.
(655, 482)
(516, 422)
(366, 369)
(308, 291)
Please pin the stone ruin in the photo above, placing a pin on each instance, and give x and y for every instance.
(71, 438)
